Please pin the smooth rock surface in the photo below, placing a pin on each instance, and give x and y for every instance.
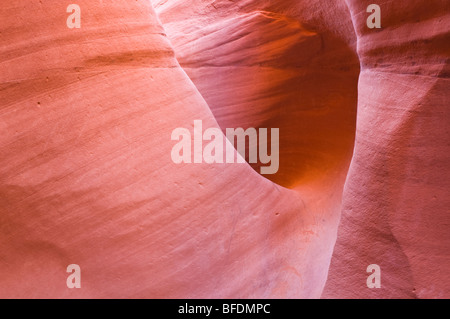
(396, 199)
(86, 175)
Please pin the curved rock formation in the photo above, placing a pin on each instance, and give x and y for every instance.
(395, 210)
(273, 64)
(86, 175)
(401, 99)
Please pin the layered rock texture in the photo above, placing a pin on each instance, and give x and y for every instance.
(396, 199)
(86, 175)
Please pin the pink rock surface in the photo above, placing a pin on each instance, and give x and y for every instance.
(261, 64)
(87, 178)
(402, 98)
(86, 175)
(396, 199)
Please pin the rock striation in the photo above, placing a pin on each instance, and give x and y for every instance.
(86, 175)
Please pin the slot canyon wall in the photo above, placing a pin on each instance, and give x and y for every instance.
(86, 175)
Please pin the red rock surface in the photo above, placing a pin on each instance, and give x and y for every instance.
(86, 175)
(273, 64)
(396, 199)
